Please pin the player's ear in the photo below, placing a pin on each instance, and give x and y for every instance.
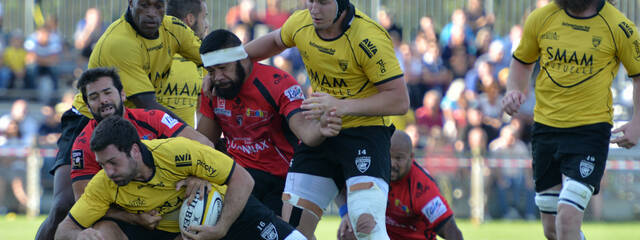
(190, 19)
(135, 151)
(123, 95)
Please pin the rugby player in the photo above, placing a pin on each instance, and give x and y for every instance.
(580, 45)
(257, 107)
(352, 67)
(141, 176)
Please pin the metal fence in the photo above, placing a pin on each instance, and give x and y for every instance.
(19, 14)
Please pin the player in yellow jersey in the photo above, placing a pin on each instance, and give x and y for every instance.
(580, 45)
(352, 67)
(141, 45)
(180, 91)
(142, 176)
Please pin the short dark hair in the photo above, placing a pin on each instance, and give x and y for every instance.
(180, 8)
(117, 131)
(219, 39)
(93, 74)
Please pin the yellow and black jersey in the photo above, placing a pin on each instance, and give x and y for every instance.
(179, 93)
(579, 57)
(141, 62)
(172, 160)
(349, 66)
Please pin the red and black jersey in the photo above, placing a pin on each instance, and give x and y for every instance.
(415, 209)
(255, 123)
(151, 124)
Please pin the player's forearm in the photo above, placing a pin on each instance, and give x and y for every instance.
(148, 101)
(209, 128)
(311, 136)
(636, 97)
(238, 191)
(381, 104)
(265, 47)
(308, 131)
(450, 231)
(121, 215)
(519, 74)
(67, 230)
(190, 133)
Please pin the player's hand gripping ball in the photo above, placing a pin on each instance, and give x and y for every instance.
(201, 212)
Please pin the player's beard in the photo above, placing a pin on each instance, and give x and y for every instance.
(233, 90)
(119, 110)
(575, 6)
(125, 178)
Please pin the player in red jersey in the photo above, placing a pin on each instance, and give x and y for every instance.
(102, 92)
(415, 209)
(256, 107)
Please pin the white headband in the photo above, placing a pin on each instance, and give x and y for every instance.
(225, 55)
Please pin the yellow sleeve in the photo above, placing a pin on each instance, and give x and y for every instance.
(628, 44)
(124, 54)
(293, 23)
(211, 164)
(187, 41)
(379, 60)
(94, 202)
(528, 50)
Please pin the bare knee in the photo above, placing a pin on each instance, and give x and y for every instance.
(109, 230)
(365, 223)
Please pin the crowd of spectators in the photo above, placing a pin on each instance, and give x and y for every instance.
(456, 77)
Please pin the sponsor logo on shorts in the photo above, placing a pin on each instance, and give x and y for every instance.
(363, 161)
(294, 93)
(586, 166)
(268, 231)
(77, 159)
(434, 209)
(169, 121)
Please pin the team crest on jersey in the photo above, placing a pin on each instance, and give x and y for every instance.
(344, 64)
(363, 161)
(239, 120)
(268, 232)
(596, 40)
(586, 166)
(78, 159)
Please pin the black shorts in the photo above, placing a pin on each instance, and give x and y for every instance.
(578, 152)
(267, 189)
(138, 232)
(258, 222)
(354, 152)
(72, 125)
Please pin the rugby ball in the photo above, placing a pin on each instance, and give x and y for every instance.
(201, 212)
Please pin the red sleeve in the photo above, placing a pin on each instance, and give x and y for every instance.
(434, 208)
(287, 93)
(83, 160)
(206, 106)
(165, 125)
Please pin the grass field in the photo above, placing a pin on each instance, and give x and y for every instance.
(19, 228)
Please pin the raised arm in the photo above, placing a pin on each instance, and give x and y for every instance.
(266, 46)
